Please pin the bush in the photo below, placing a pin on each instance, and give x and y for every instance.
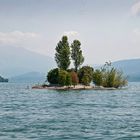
(85, 80)
(62, 77)
(85, 75)
(109, 76)
(74, 77)
(120, 80)
(98, 78)
(52, 76)
(59, 77)
(68, 80)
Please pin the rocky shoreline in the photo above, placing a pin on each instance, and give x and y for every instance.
(77, 87)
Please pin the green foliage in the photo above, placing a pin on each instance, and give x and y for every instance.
(85, 75)
(76, 54)
(52, 76)
(68, 80)
(86, 80)
(59, 77)
(62, 77)
(62, 55)
(71, 70)
(109, 76)
(98, 78)
(120, 80)
(74, 78)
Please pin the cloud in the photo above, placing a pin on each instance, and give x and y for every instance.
(15, 37)
(136, 9)
(136, 36)
(71, 33)
(136, 31)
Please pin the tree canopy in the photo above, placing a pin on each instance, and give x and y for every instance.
(85, 75)
(74, 77)
(107, 76)
(76, 54)
(53, 76)
(62, 55)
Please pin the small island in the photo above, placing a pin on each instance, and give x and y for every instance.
(3, 79)
(80, 77)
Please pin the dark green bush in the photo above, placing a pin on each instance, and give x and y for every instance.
(52, 76)
(85, 75)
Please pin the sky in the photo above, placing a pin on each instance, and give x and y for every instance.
(109, 30)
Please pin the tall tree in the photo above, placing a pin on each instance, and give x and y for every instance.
(76, 54)
(62, 55)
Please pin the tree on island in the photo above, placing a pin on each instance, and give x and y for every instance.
(85, 75)
(76, 54)
(98, 77)
(74, 77)
(68, 80)
(62, 55)
(107, 76)
(59, 77)
(53, 76)
(62, 78)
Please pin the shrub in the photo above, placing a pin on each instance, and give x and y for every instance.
(85, 80)
(62, 77)
(109, 76)
(68, 80)
(120, 80)
(52, 76)
(74, 78)
(98, 78)
(85, 74)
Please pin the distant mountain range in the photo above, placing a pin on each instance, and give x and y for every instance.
(131, 68)
(3, 79)
(19, 64)
(17, 61)
(30, 77)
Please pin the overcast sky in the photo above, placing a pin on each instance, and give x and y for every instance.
(107, 29)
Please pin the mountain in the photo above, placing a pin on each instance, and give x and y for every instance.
(24, 65)
(17, 60)
(30, 77)
(3, 79)
(131, 68)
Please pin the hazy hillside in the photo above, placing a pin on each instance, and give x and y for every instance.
(3, 79)
(29, 77)
(24, 65)
(16, 61)
(130, 67)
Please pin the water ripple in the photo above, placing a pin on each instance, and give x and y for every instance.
(69, 115)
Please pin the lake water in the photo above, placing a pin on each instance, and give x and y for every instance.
(27, 114)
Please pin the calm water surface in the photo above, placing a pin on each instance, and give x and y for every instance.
(27, 114)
